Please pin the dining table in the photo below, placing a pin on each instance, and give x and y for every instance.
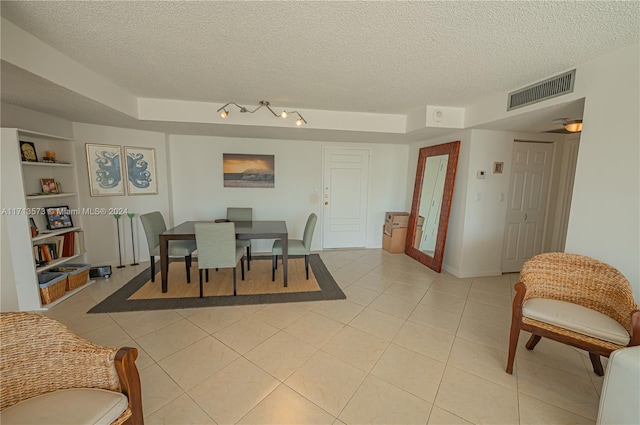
(256, 229)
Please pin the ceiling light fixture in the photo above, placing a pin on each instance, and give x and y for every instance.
(574, 126)
(263, 104)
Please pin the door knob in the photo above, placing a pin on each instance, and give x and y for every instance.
(525, 216)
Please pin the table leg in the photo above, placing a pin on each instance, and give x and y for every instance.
(285, 257)
(164, 262)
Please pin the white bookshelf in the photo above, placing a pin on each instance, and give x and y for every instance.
(22, 200)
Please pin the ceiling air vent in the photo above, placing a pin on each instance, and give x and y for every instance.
(551, 87)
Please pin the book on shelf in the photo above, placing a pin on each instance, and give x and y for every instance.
(69, 239)
(79, 242)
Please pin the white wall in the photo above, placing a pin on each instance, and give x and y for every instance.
(604, 221)
(100, 230)
(605, 212)
(26, 119)
(198, 192)
(476, 224)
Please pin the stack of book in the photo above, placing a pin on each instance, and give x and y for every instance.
(57, 247)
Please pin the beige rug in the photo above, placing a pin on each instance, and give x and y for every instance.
(321, 286)
(256, 281)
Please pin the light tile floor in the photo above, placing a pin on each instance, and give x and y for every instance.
(407, 346)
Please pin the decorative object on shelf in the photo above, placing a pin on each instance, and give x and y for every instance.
(133, 244)
(33, 227)
(117, 217)
(49, 186)
(28, 152)
(263, 104)
(58, 217)
(141, 171)
(242, 170)
(105, 170)
(49, 156)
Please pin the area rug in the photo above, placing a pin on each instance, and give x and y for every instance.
(140, 294)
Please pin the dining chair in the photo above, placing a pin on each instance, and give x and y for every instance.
(296, 246)
(242, 214)
(153, 224)
(217, 248)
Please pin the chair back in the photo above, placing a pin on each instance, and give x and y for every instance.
(153, 224)
(216, 243)
(239, 214)
(308, 231)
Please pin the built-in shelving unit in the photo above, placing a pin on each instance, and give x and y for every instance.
(24, 203)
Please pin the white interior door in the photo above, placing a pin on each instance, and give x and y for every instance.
(345, 188)
(527, 200)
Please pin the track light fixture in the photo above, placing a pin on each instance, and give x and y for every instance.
(224, 113)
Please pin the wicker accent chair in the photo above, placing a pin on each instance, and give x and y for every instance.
(575, 300)
(51, 375)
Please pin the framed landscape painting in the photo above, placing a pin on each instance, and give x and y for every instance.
(105, 170)
(141, 171)
(248, 170)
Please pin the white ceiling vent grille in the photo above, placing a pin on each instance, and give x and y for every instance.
(551, 87)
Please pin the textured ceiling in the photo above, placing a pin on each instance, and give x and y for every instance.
(384, 57)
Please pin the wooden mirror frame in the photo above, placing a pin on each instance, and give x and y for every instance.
(452, 149)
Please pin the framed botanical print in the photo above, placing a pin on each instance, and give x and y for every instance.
(141, 171)
(105, 170)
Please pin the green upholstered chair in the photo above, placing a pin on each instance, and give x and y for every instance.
(296, 246)
(153, 224)
(217, 249)
(242, 214)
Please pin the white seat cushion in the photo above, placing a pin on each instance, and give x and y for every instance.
(67, 407)
(576, 318)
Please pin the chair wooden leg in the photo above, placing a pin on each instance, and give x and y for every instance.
(248, 258)
(201, 287)
(533, 341)
(187, 262)
(597, 365)
(274, 263)
(153, 269)
(234, 281)
(306, 265)
(513, 345)
(242, 267)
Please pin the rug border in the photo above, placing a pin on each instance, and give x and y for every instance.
(118, 302)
